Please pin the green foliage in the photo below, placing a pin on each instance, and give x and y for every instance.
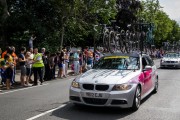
(165, 28)
(1, 10)
(47, 18)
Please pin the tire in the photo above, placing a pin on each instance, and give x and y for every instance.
(112, 42)
(120, 44)
(105, 40)
(161, 67)
(137, 99)
(127, 47)
(156, 86)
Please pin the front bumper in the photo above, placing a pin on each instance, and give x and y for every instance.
(170, 65)
(122, 99)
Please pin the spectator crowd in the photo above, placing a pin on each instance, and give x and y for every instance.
(43, 65)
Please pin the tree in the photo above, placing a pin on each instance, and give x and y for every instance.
(165, 28)
(3, 16)
(128, 12)
(3, 11)
(86, 14)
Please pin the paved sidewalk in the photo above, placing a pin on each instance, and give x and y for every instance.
(17, 76)
(18, 82)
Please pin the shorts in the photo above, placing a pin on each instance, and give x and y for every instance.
(23, 70)
(28, 71)
(60, 65)
(9, 73)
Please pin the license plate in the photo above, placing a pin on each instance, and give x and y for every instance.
(94, 95)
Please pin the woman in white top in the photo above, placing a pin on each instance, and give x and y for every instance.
(29, 60)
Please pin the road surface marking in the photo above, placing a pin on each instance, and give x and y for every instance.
(23, 89)
(44, 113)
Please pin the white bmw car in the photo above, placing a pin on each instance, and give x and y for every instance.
(170, 60)
(117, 80)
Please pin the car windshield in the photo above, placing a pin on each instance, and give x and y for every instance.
(172, 55)
(118, 62)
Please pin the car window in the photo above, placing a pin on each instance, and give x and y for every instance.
(117, 62)
(150, 61)
(144, 62)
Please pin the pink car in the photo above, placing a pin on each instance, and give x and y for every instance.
(116, 80)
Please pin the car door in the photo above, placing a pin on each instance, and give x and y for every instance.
(147, 75)
(152, 74)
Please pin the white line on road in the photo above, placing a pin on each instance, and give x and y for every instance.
(44, 113)
(22, 89)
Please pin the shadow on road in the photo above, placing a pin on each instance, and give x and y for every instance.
(72, 112)
(80, 112)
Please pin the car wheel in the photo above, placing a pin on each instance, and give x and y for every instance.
(156, 86)
(137, 99)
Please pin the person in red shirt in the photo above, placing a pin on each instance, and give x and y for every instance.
(5, 52)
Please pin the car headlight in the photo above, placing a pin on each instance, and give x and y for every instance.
(162, 61)
(75, 84)
(122, 87)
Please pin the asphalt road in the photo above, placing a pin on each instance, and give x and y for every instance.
(50, 102)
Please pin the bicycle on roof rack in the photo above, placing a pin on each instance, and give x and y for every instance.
(104, 35)
(125, 41)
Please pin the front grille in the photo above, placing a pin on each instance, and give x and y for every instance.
(74, 98)
(88, 86)
(97, 87)
(95, 101)
(116, 102)
(102, 87)
(171, 61)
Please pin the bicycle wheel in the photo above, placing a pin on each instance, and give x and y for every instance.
(127, 44)
(127, 47)
(105, 41)
(112, 44)
(120, 44)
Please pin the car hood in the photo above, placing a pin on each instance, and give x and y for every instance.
(106, 76)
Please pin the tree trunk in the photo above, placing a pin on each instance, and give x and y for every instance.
(62, 34)
(3, 18)
(5, 14)
(62, 38)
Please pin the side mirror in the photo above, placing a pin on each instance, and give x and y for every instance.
(147, 68)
